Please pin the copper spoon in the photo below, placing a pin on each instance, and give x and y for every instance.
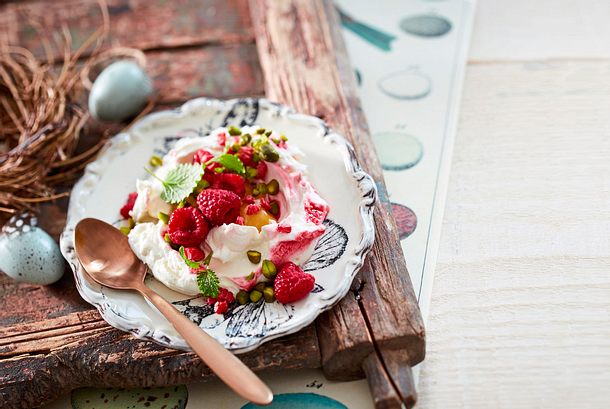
(105, 254)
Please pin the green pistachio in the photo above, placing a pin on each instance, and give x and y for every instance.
(262, 188)
(251, 172)
(163, 217)
(269, 270)
(132, 222)
(269, 132)
(269, 294)
(167, 239)
(125, 230)
(254, 256)
(284, 138)
(269, 153)
(250, 276)
(245, 139)
(255, 295)
(242, 297)
(260, 131)
(233, 130)
(274, 208)
(273, 187)
(235, 147)
(155, 161)
(260, 287)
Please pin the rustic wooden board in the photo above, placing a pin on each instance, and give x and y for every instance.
(52, 341)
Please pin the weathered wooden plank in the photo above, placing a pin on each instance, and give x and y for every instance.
(140, 24)
(109, 357)
(305, 65)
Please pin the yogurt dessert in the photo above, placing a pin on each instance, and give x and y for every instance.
(231, 216)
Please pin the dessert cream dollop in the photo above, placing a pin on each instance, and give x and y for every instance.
(287, 231)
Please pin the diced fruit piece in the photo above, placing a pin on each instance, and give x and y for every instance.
(284, 228)
(269, 294)
(128, 206)
(254, 256)
(255, 295)
(222, 138)
(292, 283)
(219, 206)
(187, 227)
(252, 209)
(194, 253)
(202, 156)
(315, 212)
(223, 295)
(269, 270)
(242, 297)
(258, 220)
(231, 182)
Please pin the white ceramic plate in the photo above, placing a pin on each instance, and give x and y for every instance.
(333, 170)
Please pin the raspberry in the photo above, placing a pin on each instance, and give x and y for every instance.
(261, 170)
(128, 206)
(252, 209)
(221, 307)
(315, 212)
(219, 206)
(224, 295)
(246, 155)
(284, 228)
(231, 182)
(222, 138)
(187, 227)
(194, 253)
(292, 283)
(202, 156)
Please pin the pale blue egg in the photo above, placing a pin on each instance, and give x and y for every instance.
(119, 92)
(28, 254)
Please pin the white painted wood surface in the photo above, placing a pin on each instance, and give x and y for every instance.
(520, 311)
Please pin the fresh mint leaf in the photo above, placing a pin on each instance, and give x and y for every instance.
(208, 283)
(180, 182)
(191, 264)
(230, 162)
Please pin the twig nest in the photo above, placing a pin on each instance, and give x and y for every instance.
(28, 254)
(119, 92)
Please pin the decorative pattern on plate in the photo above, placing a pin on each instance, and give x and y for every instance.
(351, 194)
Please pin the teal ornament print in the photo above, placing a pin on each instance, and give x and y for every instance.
(300, 401)
(398, 151)
(425, 25)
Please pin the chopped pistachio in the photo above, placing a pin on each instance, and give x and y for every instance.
(242, 297)
(235, 147)
(250, 276)
(202, 184)
(269, 270)
(163, 217)
(284, 138)
(269, 132)
(125, 230)
(233, 130)
(262, 188)
(219, 169)
(255, 295)
(255, 192)
(273, 187)
(256, 157)
(260, 131)
(269, 294)
(260, 287)
(274, 208)
(251, 172)
(275, 141)
(269, 153)
(254, 256)
(155, 161)
(192, 201)
(166, 238)
(245, 139)
(132, 222)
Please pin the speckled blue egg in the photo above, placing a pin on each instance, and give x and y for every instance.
(119, 92)
(28, 254)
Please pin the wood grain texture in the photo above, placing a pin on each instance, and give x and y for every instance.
(133, 23)
(520, 307)
(305, 65)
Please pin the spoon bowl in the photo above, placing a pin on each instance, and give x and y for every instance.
(106, 256)
(109, 260)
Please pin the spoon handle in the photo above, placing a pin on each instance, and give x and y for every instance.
(227, 366)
